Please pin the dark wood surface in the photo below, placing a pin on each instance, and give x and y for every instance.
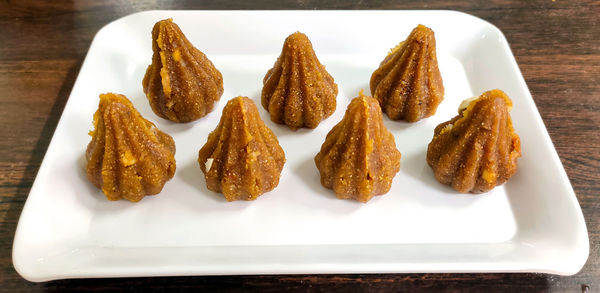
(555, 42)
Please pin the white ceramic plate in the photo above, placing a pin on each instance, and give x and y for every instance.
(531, 224)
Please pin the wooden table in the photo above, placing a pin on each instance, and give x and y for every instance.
(43, 43)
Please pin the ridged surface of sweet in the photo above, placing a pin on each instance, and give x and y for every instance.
(128, 157)
(478, 149)
(298, 91)
(359, 159)
(408, 83)
(242, 157)
(181, 84)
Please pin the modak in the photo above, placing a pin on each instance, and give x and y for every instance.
(359, 159)
(181, 84)
(128, 157)
(242, 157)
(298, 91)
(478, 149)
(408, 84)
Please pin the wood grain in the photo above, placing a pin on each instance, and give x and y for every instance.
(43, 43)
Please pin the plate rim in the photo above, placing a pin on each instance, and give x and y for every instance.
(580, 256)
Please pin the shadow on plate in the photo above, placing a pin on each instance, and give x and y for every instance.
(93, 191)
(415, 165)
(309, 174)
(191, 174)
(395, 126)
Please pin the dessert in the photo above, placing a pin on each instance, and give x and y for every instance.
(242, 157)
(298, 91)
(128, 157)
(181, 84)
(359, 159)
(478, 149)
(408, 84)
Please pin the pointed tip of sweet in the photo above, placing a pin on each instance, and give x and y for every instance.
(240, 100)
(163, 25)
(298, 34)
(363, 104)
(112, 102)
(361, 94)
(499, 94)
(167, 30)
(297, 37)
(422, 28)
(364, 99)
(166, 21)
(297, 41)
(421, 32)
(244, 104)
(237, 101)
(112, 97)
(492, 96)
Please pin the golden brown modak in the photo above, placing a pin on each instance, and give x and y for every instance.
(478, 149)
(298, 91)
(408, 84)
(242, 157)
(359, 159)
(181, 84)
(128, 157)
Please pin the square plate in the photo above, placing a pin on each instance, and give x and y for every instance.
(533, 223)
